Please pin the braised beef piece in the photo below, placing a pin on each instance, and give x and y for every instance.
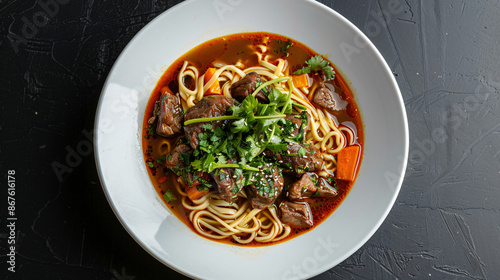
(156, 110)
(225, 182)
(310, 185)
(176, 158)
(291, 160)
(213, 106)
(170, 115)
(325, 189)
(297, 122)
(296, 214)
(246, 86)
(264, 191)
(324, 98)
(303, 188)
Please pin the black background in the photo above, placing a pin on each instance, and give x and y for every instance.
(444, 54)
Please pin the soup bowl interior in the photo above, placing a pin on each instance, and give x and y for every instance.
(128, 188)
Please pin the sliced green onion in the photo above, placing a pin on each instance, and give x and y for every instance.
(234, 165)
(212, 119)
(288, 98)
(270, 117)
(270, 83)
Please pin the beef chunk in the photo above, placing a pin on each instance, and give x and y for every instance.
(310, 185)
(264, 191)
(323, 97)
(246, 86)
(296, 123)
(292, 161)
(176, 157)
(324, 188)
(178, 160)
(303, 188)
(296, 214)
(223, 177)
(326, 99)
(213, 106)
(169, 115)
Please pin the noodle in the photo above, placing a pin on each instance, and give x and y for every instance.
(215, 218)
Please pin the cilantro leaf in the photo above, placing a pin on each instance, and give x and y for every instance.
(317, 63)
(301, 152)
(277, 148)
(240, 126)
(221, 159)
(161, 159)
(247, 107)
(275, 96)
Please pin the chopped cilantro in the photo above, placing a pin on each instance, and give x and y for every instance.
(284, 49)
(314, 180)
(222, 176)
(150, 164)
(235, 189)
(169, 196)
(203, 185)
(333, 182)
(301, 152)
(161, 159)
(240, 143)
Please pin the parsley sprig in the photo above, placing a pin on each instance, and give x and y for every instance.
(317, 63)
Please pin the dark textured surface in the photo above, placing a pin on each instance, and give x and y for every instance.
(445, 223)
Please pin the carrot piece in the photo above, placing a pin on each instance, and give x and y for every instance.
(300, 80)
(347, 160)
(215, 87)
(162, 179)
(193, 192)
(165, 89)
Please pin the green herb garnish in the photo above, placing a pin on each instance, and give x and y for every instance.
(161, 159)
(317, 63)
(169, 196)
(239, 145)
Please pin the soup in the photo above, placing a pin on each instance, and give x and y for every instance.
(252, 139)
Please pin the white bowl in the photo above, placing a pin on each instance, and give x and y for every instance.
(131, 194)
